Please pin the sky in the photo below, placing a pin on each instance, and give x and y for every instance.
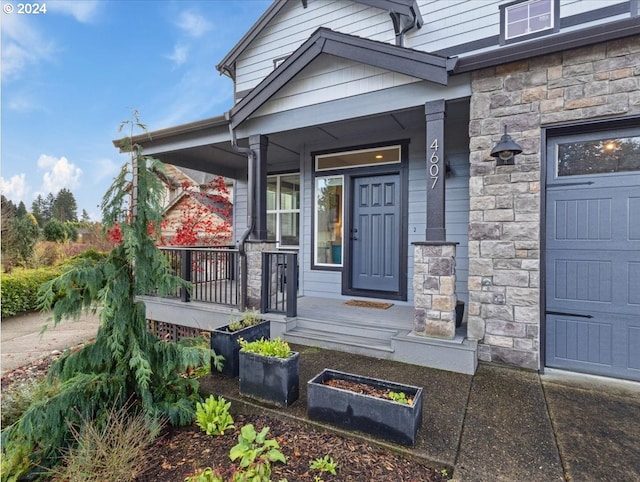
(72, 75)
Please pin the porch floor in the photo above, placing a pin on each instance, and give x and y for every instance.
(397, 317)
(380, 333)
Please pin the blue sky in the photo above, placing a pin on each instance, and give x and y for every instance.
(71, 75)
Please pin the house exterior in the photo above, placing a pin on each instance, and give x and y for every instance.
(361, 139)
(197, 209)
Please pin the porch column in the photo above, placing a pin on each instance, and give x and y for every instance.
(258, 144)
(434, 115)
(434, 285)
(254, 251)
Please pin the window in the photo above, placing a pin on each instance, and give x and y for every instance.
(328, 221)
(599, 156)
(283, 209)
(521, 20)
(358, 158)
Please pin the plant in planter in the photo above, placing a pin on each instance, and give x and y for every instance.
(269, 371)
(224, 341)
(381, 408)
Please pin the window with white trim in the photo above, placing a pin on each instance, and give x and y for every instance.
(522, 19)
(283, 209)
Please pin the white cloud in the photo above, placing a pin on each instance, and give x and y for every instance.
(193, 24)
(179, 55)
(83, 11)
(22, 46)
(60, 173)
(15, 188)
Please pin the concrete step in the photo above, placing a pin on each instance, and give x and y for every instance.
(360, 330)
(353, 339)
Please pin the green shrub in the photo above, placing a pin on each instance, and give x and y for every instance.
(205, 475)
(277, 347)
(111, 450)
(256, 452)
(249, 318)
(213, 417)
(20, 288)
(17, 398)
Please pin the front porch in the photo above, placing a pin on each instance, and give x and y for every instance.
(329, 323)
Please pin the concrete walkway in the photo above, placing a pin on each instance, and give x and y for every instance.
(501, 424)
(23, 342)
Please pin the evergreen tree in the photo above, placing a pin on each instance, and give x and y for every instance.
(64, 206)
(19, 233)
(85, 217)
(26, 234)
(125, 361)
(7, 216)
(55, 231)
(21, 210)
(37, 208)
(47, 207)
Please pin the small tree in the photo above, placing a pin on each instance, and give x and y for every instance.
(125, 361)
(203, 216)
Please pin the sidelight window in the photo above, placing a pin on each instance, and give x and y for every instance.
(283, 209)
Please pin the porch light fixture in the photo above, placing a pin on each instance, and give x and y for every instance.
(505, 150)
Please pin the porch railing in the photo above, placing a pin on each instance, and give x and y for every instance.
(213, 273)
(280, 282)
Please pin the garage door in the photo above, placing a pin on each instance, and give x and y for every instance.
(593, 253)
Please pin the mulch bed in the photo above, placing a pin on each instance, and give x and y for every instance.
(180, 451)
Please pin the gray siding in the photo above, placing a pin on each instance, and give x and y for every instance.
(456, 207)
(295, 24)
(329, 283)
(447, 23)
(239, 209)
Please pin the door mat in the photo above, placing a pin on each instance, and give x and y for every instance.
(369, 304)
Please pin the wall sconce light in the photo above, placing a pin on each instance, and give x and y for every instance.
(505, 150)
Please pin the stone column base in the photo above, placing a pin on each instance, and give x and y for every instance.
(434, 282)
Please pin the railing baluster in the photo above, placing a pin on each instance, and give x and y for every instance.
(211, 271)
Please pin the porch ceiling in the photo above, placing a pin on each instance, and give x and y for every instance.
(284, 147)
(205, 145)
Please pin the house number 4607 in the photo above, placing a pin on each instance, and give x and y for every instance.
(434, 167)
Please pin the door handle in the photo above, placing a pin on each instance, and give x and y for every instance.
(567, 314)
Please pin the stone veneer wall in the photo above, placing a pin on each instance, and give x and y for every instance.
(594, 82)
(434, 285)
(254, 251)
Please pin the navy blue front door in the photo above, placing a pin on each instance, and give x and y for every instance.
(375, 234)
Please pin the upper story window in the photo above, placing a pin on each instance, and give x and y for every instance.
(526, 19)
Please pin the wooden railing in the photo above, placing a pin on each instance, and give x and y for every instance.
(213, 273)
(280, 282)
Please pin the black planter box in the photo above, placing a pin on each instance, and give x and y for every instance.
(375, 416)
(225, 343)
(270, 379)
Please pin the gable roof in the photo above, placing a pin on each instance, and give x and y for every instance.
(397, 8)
(415, 63)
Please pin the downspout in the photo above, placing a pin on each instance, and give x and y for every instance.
(251, 159)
